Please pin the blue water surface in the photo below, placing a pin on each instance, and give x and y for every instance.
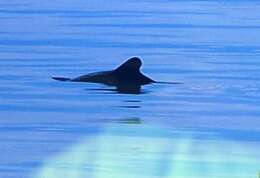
(209, 126)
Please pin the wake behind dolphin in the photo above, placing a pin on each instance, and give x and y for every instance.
(127, 77)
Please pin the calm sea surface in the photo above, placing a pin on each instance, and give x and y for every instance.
(209, 126)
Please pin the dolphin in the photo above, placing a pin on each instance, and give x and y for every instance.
(127, 73)
(127, 77)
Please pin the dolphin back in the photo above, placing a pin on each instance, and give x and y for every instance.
(61, 78)
(127, 74)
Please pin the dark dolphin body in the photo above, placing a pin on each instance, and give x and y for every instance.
(127, 77)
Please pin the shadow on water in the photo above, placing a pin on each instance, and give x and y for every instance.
(129, 120)
(132, 104)
(122, 89)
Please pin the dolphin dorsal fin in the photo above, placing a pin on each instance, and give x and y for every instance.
(134, 63)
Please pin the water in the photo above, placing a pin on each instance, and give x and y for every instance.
(206, 127)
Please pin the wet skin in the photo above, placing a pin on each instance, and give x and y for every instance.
(127, 77)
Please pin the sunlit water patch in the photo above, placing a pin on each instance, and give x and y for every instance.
(149, 151)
